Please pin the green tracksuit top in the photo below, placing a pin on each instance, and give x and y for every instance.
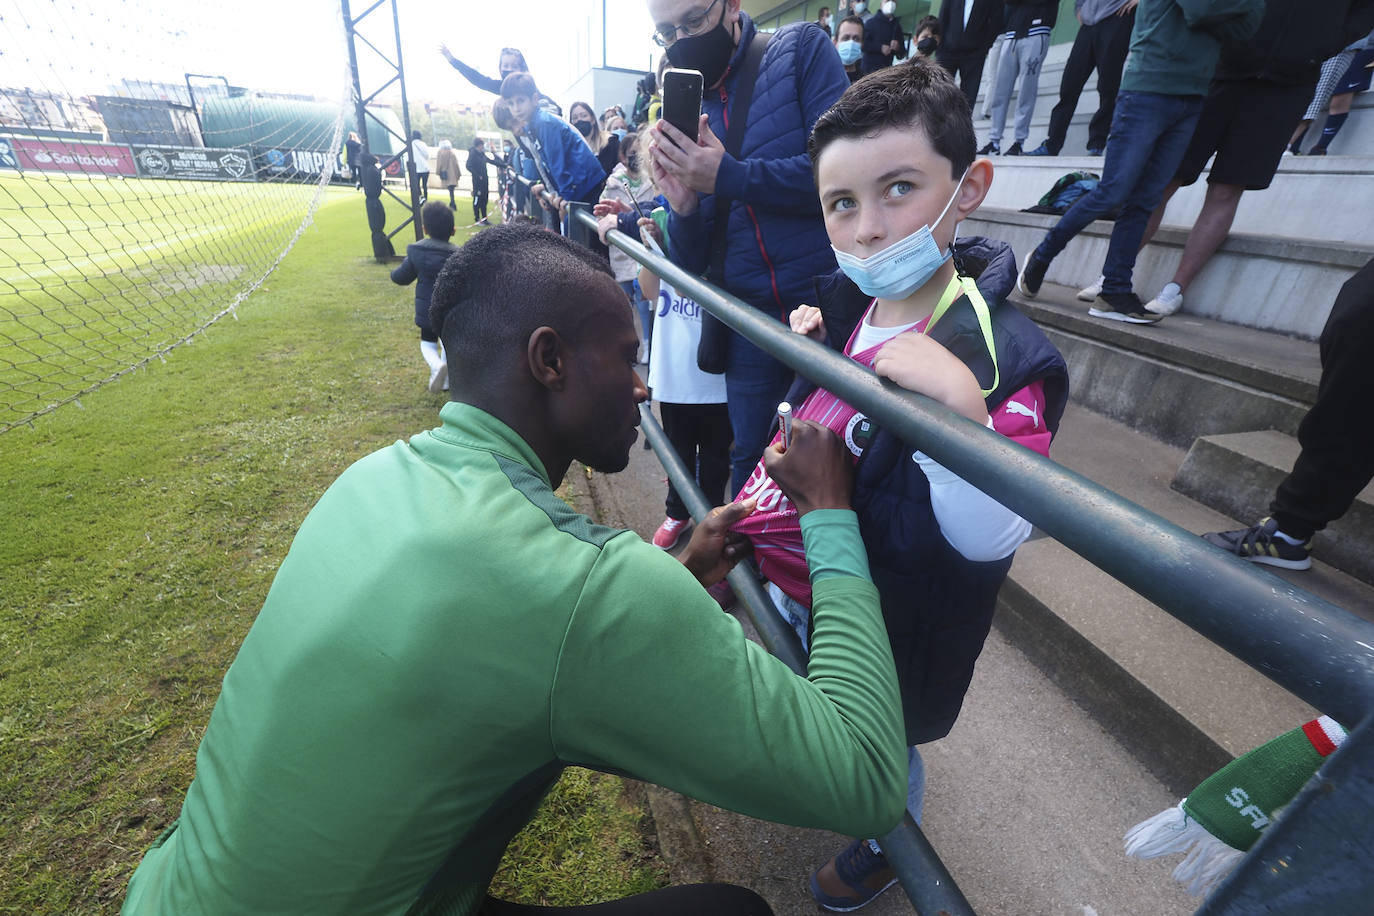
(445, 635)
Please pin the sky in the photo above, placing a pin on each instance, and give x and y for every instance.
(82, 46)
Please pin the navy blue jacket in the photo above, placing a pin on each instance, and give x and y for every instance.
(424, 260)
(938, 605)
(775, 240)
(878, 31)
(572, 166)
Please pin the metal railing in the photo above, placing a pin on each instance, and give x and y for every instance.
(1317, 651)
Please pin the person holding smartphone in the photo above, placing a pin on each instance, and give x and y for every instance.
(773, 236)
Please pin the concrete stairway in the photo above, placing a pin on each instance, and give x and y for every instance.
(1194, 420)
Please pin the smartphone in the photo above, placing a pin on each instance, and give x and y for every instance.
(682, 100)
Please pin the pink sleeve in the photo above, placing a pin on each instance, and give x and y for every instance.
(1020, 418)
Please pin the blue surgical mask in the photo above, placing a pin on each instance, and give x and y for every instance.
(850, 51)
(902, 267)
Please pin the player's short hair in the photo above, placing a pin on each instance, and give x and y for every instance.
(504, 283)
(518, 83)
(852, 20)
(437, 219)
(917, 96)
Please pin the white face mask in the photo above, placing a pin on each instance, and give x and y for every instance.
(889, 8)
(902, 267)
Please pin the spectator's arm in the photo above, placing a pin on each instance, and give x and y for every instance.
(405, 273)
(1225, 20)
(901, 37)
(688, 237)
(477, 79)
(628, 223)
(648, 284)
(787, 185)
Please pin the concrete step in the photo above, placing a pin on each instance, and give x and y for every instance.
(1237, 473)
(1354, 141)
(1313, 198)
(1181, 704)
(1285, 285)
(1182, 378)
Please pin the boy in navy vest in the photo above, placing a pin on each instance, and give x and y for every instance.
(896, 171)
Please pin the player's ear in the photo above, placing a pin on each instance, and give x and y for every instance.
(546, 358)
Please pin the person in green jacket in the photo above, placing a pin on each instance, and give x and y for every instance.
(1174, 50)
(446, 635)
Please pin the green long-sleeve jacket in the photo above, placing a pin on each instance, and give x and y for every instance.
(446, 635)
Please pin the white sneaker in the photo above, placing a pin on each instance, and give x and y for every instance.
(1090, 293)
(1169, 300)
(438, 378)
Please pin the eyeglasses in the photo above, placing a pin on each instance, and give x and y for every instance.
(694, 25)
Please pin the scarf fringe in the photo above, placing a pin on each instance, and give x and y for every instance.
(1208, 859)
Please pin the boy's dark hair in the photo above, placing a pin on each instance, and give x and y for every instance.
(415, 135)
(920, 95)
(928, 22)
(503, 283)
(437, 219)
(518, 83)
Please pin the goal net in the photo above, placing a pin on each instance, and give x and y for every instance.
(157, 160)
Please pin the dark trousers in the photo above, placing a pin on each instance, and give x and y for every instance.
(479, 200)
(701, 436)
(687, 900)
(1337, 458)
(968, 67)
(1101, 46)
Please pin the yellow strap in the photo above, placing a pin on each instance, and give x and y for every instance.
(966, 287)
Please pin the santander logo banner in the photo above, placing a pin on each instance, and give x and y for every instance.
(66, 156)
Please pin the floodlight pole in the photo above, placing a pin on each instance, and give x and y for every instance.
(361, 101)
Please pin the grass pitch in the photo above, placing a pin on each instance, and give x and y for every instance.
(99, 274)
(138, 537)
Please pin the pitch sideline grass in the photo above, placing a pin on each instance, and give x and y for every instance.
(98, 274)
(137, 541)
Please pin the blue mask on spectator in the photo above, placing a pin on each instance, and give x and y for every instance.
(850, 51)
(902, 267)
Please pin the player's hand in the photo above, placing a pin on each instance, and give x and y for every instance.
(714, 549)
(807, 320)
(816, 471)
(922, 365)
(693, 164)
(609, 205)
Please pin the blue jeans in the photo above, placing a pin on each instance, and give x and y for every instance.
(642, 307)
(1150, 133)
(754, 384)
(797, 616)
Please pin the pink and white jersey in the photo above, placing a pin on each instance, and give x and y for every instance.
(774, 527)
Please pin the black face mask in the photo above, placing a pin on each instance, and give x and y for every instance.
(709, 52)
(927, 46)
(632, 163)
(583, 127)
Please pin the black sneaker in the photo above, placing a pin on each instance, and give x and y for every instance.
(1032, 275)
(992, 149)
(1043, 150)
(1122, 307)
(1015, 150)
(1259, 545)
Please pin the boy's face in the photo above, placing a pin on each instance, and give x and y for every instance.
(521, 108)
(877, 190)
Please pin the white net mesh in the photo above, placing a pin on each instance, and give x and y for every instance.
(157, 159)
